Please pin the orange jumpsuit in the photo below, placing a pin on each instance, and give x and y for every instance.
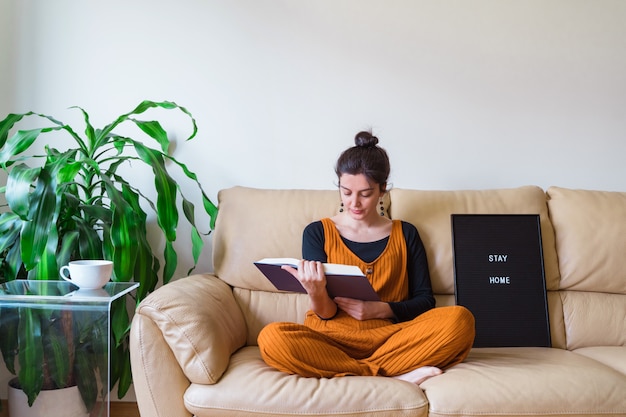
(440, 337)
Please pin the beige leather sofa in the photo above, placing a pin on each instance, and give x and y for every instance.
(193, 341)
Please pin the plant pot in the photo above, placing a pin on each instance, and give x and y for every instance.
(65, 402)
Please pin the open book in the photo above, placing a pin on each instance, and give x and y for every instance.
(341, 280)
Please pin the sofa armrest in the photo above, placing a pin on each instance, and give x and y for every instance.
(201, 323)
(159, 382)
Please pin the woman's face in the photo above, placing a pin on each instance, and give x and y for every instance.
(359, 196)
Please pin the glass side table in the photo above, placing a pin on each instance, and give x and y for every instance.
(64, 320)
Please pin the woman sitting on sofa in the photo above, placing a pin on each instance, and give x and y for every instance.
(403, 336)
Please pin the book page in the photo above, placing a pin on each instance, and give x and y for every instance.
(329, 268)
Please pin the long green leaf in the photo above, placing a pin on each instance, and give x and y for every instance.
(86, 381)
(42, 216)
(57, 350)
(30, 353)
(91, 355)
(209, 207)
(120, 324)
(167, 212)
(97, 210)
(68, 247)
(155, 131)
(118, 368)
(196, 240)
(7, 124)
(196, 247)
(47, 266)
(125, 378)
(13, 263)
(171, 262)
(146, 264)
(89, 241)
(10, 225)
(89, 130)
(17, 144)
(124, 242)
(142, 107)
(122, 232)
(146, 270)
(9, 340)
(21, 141)
(18, 189)
(67, 173)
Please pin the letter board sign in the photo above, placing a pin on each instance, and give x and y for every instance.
(499, 276)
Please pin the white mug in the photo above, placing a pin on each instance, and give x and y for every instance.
(87, 274)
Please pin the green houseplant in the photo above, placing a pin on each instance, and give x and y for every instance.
(69, 347)
(72, 202)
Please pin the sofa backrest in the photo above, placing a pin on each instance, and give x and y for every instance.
(590, 232)
(254, 224)
(430, 212)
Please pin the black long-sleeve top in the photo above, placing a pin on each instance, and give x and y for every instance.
(420, 297)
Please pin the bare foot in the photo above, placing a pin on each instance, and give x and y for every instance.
(419, 375)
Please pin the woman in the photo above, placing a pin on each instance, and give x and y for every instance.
(403, 336)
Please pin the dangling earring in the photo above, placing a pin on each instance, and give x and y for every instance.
(382, 207)
(341, 207)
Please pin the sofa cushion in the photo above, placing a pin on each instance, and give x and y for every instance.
(201, 323)
(594, 319)
(527, 381)
(590, 230)
(430, 212)
(250, 387)
(256, 223)
(260, 308)
(612, 356)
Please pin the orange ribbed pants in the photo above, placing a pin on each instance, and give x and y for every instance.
(440, 337)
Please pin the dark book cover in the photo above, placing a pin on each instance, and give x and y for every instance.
(341, 280)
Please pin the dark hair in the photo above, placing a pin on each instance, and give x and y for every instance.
(366, 158)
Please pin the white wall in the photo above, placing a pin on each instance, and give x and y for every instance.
(7, 76)
(463, 94)
(7, 30)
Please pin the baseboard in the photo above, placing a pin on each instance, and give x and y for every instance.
(117, 409)
(124, 409)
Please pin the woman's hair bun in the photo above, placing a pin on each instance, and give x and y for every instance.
(365, 139)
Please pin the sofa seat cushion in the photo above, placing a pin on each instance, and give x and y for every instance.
(612, 356)
(251, 387)
(527, 382)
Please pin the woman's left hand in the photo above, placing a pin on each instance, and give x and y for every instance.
(364, 310)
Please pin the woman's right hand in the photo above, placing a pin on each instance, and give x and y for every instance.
(312, 277)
